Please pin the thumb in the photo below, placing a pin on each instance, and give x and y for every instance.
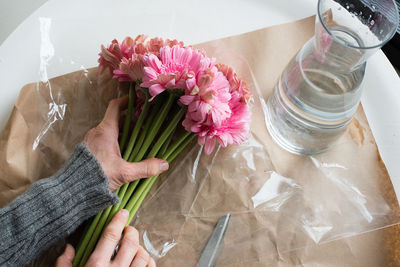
(65, 260)
(147, 168)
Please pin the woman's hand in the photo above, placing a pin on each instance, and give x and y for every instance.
(130, 253)
(102, 142)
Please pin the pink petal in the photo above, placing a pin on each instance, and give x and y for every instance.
(150, 73)
(186, 99)
(156, 89)
(203, 111)
(209, 146)
(153, 62)
(181, 84)
(195, 128)
(170, 84)
(201, 140)
(190, 83)
(165, 54)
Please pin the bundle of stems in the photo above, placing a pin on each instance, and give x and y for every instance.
(153, 135)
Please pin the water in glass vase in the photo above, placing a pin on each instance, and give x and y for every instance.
(319, 91)
(315, 98)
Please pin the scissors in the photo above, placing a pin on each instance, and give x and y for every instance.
(210, 252)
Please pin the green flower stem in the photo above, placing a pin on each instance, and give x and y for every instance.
(144, 188)
(129, 188)
(155, 109)
(139, 196)
(166, 144)
(133, 185)
(131, 144)
(87, 223)
(121, 193)
(149, 136)
(93, 240)
(114, 206)
(103, 216)
(156, 126)
(88, 234)
(176, 144)
(182, 142)
(179, 149)
(167, 132)
(123, 202)
(128, 118)
(137, 127)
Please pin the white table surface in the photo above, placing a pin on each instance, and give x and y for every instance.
(64, 36)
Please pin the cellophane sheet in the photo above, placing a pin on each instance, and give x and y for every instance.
(279, 202)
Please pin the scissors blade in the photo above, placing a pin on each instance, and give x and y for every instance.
(210, 252)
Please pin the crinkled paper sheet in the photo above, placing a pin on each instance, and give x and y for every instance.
(282, 205)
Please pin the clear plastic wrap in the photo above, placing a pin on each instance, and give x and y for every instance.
(279, 202)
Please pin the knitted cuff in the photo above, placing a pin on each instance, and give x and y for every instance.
(53, 208)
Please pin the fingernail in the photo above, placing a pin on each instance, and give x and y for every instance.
(124, 213)
(164, 166)
(69, 252)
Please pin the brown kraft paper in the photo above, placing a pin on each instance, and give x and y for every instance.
(33, 145)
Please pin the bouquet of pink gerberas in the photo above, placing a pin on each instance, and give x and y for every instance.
(176, 93)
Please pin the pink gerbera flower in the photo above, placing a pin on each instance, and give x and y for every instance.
(210, 96)
(130, 69)
(233, 130)
(154, 46)
(174, 67)
(216, 98)
(111, 56)
(131, 66)
(236, 84)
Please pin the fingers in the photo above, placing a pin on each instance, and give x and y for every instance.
(142, 258)
(129, 247)
(147, 168)
(65, 260)
(130, 252)
(111, 236)
(151, 263)
(111, 118)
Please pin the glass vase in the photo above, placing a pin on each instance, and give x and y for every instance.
(319, 91)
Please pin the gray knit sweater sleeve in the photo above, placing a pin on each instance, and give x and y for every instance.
(52, 208)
